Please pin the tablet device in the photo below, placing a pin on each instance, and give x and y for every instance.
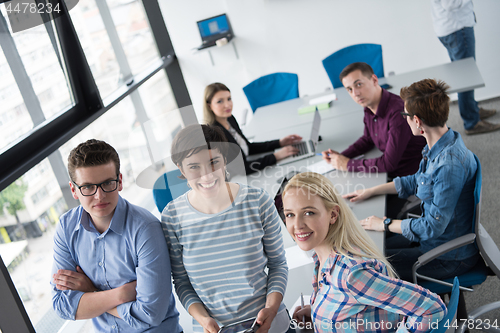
(245, 326)
(386, 86)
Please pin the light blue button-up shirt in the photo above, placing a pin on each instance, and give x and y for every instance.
(445, 183)
(132, 248)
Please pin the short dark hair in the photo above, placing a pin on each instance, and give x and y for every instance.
(195, 138)
(365, 69)
(92, 153)
(427, 99)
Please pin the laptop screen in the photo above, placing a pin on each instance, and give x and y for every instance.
(315, 127)
(214, 26)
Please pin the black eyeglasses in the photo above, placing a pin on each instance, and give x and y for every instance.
(88, 190)
(405, 115)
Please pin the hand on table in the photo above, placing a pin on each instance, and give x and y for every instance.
(290, 139)
(373, 223)
(358, 195)
(285, 152)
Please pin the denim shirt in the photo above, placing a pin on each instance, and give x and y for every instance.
(445, 183)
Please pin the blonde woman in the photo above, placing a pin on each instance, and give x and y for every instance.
(217, 111)
(355, 288)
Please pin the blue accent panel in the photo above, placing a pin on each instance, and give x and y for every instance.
(272, 88)
(369, 53)
(168, 187)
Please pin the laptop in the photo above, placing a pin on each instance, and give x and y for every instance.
(306, 148)
(213, 29)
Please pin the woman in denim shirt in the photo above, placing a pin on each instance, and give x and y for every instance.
(444, 182)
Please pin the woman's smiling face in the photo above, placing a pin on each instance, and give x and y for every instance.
(307, 219)
(205, 172)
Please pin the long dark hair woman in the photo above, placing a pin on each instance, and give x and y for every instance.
(217, 111)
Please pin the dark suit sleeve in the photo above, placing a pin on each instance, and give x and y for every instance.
(254, 148)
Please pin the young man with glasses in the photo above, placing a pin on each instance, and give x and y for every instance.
(111, 261)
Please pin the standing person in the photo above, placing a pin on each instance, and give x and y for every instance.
(354, 285)
(384, 128)
(217, 111)
(111, 260)
(445, 182)
(221, 237)
(454, 22)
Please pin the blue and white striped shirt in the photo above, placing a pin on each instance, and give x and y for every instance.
(219, 259)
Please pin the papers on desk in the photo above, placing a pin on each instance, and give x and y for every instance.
(321, 167)
(323, 99)
(321, 103)
(295, 257)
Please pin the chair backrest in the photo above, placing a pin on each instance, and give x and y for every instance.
(477, 194)
(452, 311)
(272, 88)
(487, 246)
(168, 187)
(369, 53)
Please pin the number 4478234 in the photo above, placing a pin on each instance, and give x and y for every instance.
(31, 7)
(477, 324)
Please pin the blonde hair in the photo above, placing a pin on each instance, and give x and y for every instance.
(345, 236)
(210, 91)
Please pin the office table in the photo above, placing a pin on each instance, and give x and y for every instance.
(461, 75)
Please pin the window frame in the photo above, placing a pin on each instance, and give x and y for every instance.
(45, 138)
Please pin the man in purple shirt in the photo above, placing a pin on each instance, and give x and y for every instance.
(385, 128)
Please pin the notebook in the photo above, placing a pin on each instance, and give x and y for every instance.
(306, 148)
(320, 103)
(213, 29)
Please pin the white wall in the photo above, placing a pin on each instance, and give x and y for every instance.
(296, 35)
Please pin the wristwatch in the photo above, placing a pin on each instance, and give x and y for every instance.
(387, 223)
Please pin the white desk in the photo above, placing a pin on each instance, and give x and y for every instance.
(461, 75)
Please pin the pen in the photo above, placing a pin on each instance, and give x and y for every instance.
(302, 306)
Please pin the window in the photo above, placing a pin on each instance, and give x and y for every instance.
(26, 234)
(30, 53)
(116, 39)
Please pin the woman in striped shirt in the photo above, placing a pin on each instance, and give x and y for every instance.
(355, 288)
(221, 237)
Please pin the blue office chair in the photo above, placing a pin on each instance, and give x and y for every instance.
(272, 88)
(369, 53)
(168, 187)
(445, 324)
(489, 266)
